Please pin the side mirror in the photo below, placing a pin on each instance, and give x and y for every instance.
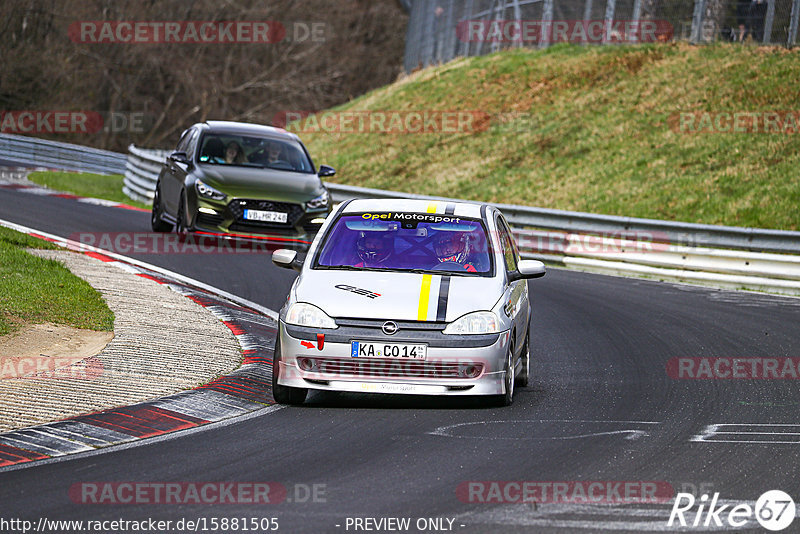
(326, 170)
(180, 157)
(527, 269)
(287, 259)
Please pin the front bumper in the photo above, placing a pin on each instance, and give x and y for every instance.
(467, 367)
(227, 217)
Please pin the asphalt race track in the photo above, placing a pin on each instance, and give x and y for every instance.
(601, 407)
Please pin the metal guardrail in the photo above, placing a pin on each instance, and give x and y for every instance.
(141, 172)
(35, 152)
(670, 232)
(724, 256)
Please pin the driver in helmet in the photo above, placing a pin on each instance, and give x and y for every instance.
(374, 248)
(453, 247)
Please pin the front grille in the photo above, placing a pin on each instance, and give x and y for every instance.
(333, 368)
(237, 206)
(401, 325)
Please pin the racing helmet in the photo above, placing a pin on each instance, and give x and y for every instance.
(375, 247)
(451, 246)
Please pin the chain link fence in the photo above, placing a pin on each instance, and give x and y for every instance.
(440, 30)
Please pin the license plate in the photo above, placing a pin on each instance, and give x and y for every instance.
(265, 216)
(401, 351)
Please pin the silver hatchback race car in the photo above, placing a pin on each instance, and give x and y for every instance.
(406, 296)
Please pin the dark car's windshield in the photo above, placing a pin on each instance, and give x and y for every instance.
(402, 241)
(232, 149)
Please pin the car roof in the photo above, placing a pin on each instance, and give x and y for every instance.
(247, 128)
(463, 209)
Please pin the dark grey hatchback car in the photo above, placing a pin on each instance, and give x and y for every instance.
(240, 178)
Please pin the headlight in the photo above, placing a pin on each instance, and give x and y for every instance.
(206, 191)
(318, 202)
(482, 322)
(303, 314)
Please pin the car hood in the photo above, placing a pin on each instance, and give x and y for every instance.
(249, 182)
(398, 296)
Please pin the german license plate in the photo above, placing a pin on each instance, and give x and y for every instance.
(401, 351)
(265, 216)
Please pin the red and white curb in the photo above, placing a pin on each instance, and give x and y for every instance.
(245, 390)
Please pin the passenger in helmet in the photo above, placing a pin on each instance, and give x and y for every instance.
(374, 248)
(453, 247)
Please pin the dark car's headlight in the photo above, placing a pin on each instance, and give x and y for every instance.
(318, 202)
(206, 191)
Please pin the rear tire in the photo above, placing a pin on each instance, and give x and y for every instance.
(525, 358)
(284, 394)
(156, 222)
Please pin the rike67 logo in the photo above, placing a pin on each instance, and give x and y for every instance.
(774, 510)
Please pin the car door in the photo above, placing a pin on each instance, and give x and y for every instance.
(173, 174)
(516, 295)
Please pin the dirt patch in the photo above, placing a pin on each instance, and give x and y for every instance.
(54, 341)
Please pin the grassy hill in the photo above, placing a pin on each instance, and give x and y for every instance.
(591, 129)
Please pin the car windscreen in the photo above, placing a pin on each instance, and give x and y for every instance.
(251, 151)
(403, 241)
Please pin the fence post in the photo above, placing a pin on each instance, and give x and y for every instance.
(518, 18)
(697, 21)
(611, 6)
(546, 31)
(428, 38)
(768, 22)
(792, 39)
(499, 14)
(637, 16)
(466, 16)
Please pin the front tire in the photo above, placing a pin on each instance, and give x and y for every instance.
(180, 220)
(284, 394)
(525, 358)
(507, 398)
(156, 222)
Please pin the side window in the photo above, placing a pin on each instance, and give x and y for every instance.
(192, 144)
(182, 144)
(507, 244)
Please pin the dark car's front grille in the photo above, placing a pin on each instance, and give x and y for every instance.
(237, 206)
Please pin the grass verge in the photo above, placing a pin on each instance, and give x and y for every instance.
(36, 290)
(108, 187)
(591, 128)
